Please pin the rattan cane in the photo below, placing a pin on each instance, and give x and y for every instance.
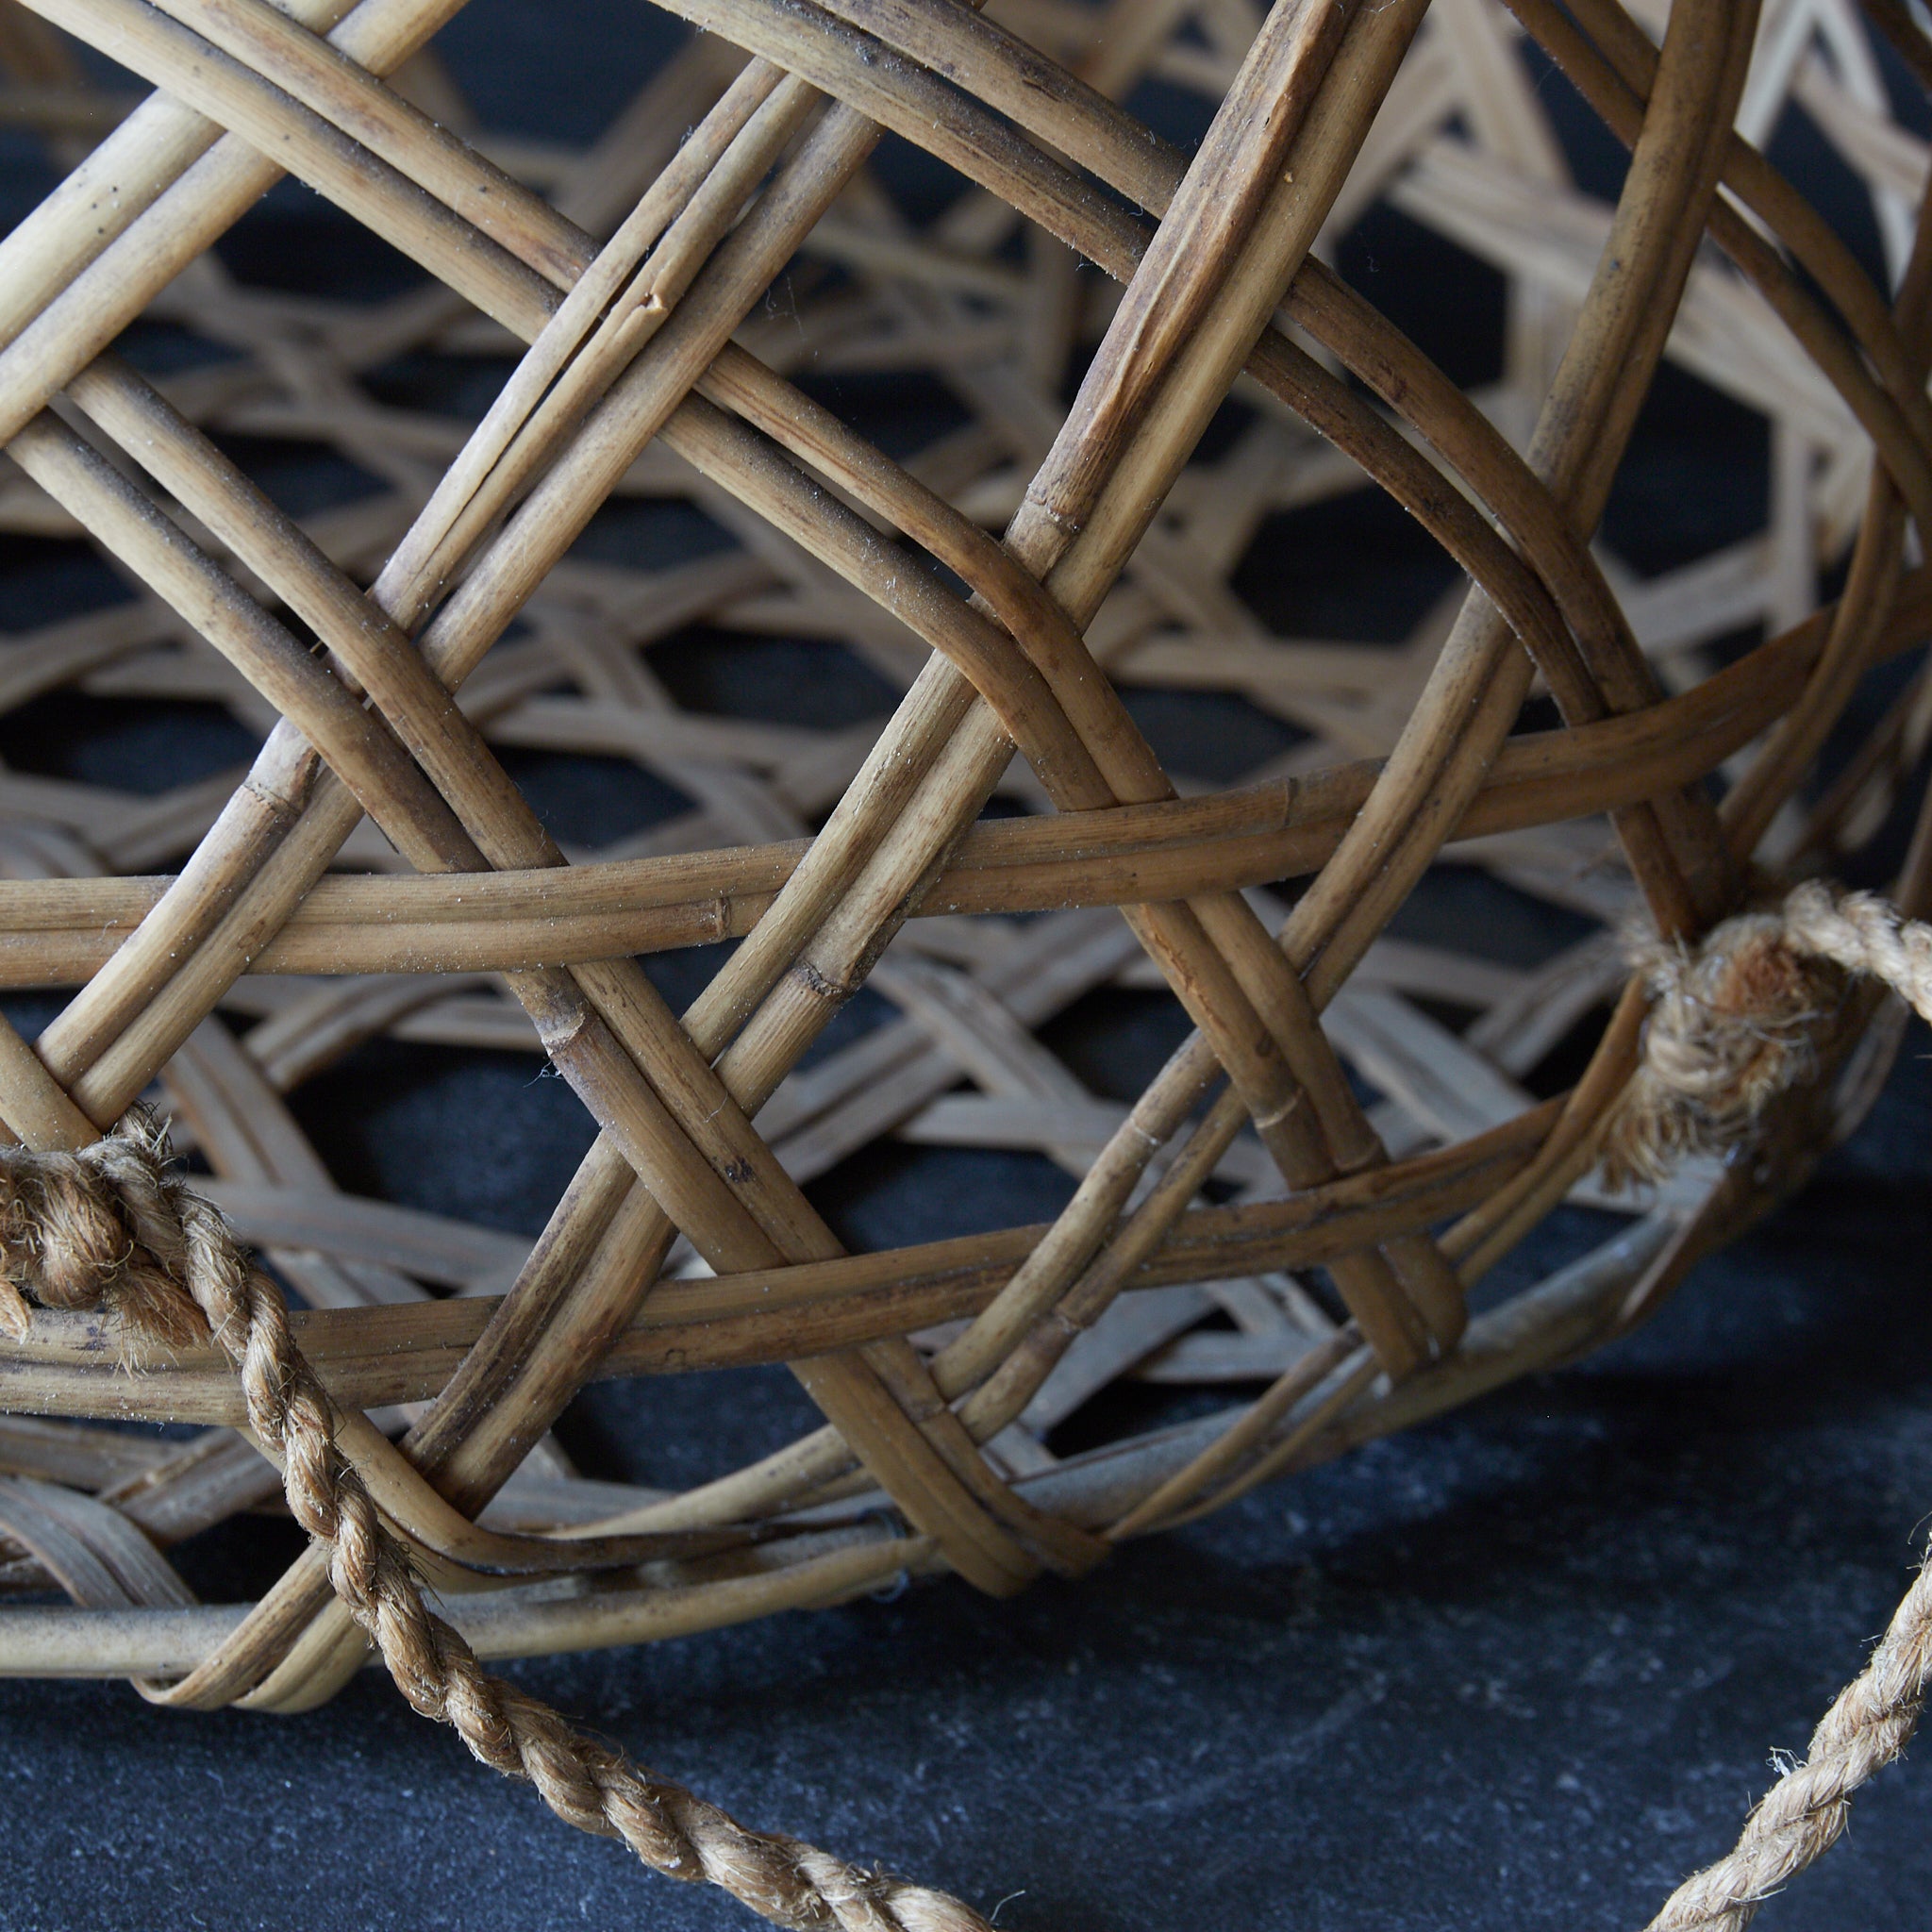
(1349, 1139)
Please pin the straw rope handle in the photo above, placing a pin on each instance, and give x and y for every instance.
(1800, 1818)
(1869, 1726)
(115, 1224)
(1863, 933)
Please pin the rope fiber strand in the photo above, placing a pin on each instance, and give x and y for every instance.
(1731, 1027)
(1800, 1818)
(884, 672)
(1734, 1018)
(115, 1226)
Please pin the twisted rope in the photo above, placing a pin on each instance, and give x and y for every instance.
(1800, 1818)
(1734, 1021)
(1733, 1026)
(116, 1225)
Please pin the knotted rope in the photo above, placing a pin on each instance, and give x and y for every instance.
(1734, 1024)
(1734, 1021)
(115, 1226)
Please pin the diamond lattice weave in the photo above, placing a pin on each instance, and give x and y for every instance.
(916, 490)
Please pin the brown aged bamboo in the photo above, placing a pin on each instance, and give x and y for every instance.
(1348, 1137)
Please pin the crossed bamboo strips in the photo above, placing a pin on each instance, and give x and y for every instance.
(649, 344)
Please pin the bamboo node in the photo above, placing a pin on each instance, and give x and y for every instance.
(114, 1225)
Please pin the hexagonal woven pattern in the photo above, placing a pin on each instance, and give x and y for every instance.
(867, 455)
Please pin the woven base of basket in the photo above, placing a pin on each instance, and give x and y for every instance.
(1304, 1198)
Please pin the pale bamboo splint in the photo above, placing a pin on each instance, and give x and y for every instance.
(1304, 1198)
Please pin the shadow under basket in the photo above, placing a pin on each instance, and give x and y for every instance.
(1053, 654)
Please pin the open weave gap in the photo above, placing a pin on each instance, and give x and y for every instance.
(115, 1226)
(643, 299)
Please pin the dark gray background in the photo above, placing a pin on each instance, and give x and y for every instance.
(1519, 1669)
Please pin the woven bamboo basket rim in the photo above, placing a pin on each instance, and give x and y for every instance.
(377, 868)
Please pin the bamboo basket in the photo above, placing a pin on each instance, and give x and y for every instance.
(1305, 1208)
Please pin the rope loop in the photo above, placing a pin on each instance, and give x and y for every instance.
(1734, 1022)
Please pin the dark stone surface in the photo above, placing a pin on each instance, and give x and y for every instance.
(1520, 1668)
